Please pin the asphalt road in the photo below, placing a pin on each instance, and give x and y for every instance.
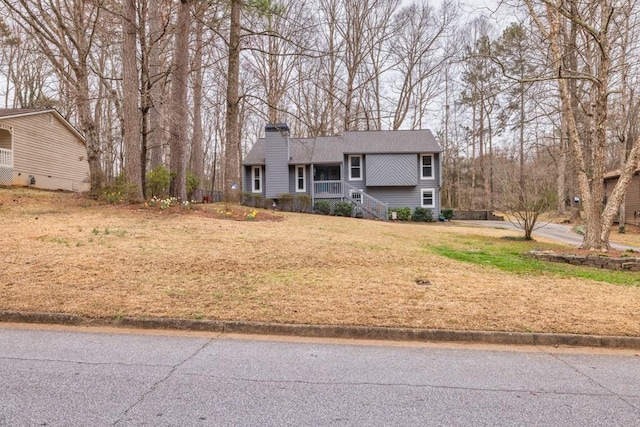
(80, 377)
(556, 232)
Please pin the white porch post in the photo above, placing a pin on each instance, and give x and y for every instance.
(312, 192)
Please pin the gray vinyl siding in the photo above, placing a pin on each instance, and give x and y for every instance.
(247, 179)
(404, 197)
(360, 184)
(293, 180)
(390, 167)
(435, 164)
(391, 170)
(276, 174)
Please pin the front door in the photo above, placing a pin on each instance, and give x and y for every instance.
(321, 173)
(326, 173)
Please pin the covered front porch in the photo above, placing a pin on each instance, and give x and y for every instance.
(6, 158)
(335, 189)
(6, 166)
(6, 155)
(327, 182)
(6, 148)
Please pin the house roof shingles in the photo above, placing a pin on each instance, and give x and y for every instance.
(8, 112)
(327, 149)
(21, 112)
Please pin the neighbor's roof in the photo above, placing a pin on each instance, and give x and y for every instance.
(615, 174)
(6, 113)
(328, 149)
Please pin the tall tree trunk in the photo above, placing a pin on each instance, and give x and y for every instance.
(562, 170)
(131, 112)
(197, 150)
(473, 161)
(88, 126)
(231, 191)
(156, 130)
(178, 133)
(589, 151)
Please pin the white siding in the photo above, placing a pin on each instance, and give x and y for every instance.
(49, 151)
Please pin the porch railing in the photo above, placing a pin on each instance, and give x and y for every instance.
(6, 158)
(364, 201)
(328, 189)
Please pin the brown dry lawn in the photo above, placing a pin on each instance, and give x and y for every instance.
(64, 253)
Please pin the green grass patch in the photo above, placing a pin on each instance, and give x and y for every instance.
(511, 256)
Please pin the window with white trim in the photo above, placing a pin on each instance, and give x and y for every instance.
(427, 198)
(426, 166)
(256, 179)
(355, 168)
(301, 179)
(356, 195)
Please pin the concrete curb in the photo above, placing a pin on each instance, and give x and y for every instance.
(329, 331)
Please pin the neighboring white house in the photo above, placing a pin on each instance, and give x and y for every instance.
(41, 149)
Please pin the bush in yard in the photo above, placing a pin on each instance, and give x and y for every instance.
(285, 202)
(246, 199)
(402, 214)
(192, 184)
(302, 203)
(447, 214)
(422, 215)
(323, 207)
(119, 192)
(253, 200)
(158, 180)
(343, 209)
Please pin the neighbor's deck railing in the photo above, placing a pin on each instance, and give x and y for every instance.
(6, 158)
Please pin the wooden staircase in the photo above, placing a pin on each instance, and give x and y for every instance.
(366, 203)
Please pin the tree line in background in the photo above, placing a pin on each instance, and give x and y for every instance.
(530, 112)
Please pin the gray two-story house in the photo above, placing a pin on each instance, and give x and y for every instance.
(374, 170)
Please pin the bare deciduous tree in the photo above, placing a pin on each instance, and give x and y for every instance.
(597, 25)
(524, 201)
(65, 34)
(133, 166)
(178, 141)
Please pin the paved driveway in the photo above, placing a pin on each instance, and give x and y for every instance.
(557, 232)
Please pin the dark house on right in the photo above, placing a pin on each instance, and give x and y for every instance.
(632, 202)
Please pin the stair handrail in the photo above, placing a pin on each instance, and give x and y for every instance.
(367, 202)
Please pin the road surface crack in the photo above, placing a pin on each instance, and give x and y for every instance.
(622, 397)
(155, 385)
